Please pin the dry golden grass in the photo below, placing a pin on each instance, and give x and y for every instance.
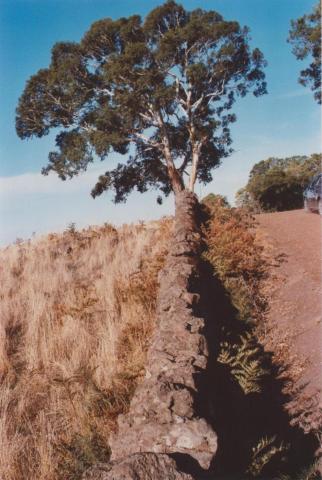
(77, 312)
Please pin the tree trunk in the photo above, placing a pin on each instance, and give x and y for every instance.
(175, 177)
(194, 167)
(176, 180)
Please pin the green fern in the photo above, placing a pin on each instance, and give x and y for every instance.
(309, 473)
(245, 361)
(263, 453)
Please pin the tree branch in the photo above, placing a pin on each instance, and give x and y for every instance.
(175, 177)
(149, 118)
(147, 140)
(195, 161)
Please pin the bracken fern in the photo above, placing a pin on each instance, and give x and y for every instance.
(265, 450)
(245, 362)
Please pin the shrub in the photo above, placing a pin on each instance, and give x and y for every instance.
(277, 184)
(237, 258)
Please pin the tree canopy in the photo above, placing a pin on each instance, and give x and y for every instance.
(278, 183)
(305, 35)
(158, 91)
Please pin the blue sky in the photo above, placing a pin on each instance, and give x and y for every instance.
(282, 123)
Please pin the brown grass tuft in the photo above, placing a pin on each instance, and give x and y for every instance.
(77, 312)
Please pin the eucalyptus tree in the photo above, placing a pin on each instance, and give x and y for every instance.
(158, 91)
(305, 35)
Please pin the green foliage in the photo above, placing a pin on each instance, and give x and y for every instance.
(277, 184)
(263, 453)
(158, 91)
(310, 473)
(244, 199)
(305, 35)
(213, 199)
(245, 360)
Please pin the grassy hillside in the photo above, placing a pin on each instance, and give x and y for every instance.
(76, 315)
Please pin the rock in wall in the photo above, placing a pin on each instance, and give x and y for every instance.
(164, 416)
(140, 466)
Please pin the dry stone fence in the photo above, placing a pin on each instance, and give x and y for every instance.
(165, 435)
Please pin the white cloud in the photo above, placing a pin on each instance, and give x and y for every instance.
(295, 93)
(34, 203)
(36, 183)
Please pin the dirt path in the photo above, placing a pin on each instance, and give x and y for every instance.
(296, 293)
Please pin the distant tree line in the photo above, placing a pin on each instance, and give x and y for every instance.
(277, 184)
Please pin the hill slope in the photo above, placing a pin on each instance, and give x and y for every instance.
(76, 315)
(296, 290)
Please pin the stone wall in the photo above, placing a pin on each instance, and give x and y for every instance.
(164, 416)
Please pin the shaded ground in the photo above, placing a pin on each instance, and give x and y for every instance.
(295, 292)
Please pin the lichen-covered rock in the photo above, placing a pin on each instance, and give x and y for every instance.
(142, 466)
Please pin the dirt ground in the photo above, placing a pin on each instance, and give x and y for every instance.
(295, 293)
